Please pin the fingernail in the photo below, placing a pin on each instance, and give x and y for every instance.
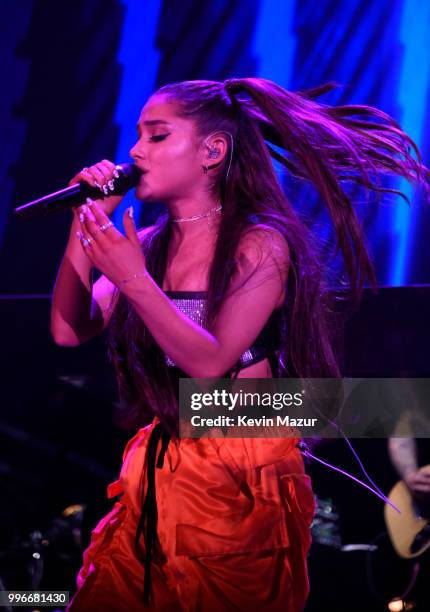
(116, 173)
(111, 185)
(89, 201)
(105, 190)
(83, 208)
(81, 217)
(130, 212)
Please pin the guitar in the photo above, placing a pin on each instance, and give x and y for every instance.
(409, 531)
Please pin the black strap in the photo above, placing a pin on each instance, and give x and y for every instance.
(274, 363)
(258, 354)
(148, 518)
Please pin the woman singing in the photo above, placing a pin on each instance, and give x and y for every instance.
(227, 283)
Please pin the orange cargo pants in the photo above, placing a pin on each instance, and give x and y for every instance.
(234, 520)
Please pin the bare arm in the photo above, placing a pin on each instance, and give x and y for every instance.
(403, 455)
(79, 310)
(402, 447)
(252, 296)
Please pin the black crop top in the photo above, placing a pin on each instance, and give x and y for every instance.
(193, 304)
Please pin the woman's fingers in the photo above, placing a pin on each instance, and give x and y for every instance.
(109, 169)
(106, 172)
(99, 175)
(99, 214)
(85, 210)
(97, 225)
(88, 244)
(91, 229)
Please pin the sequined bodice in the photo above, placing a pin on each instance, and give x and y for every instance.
(193, 304)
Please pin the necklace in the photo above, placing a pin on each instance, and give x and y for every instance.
(195, 217)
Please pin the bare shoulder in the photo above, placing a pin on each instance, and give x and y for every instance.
(261, 242)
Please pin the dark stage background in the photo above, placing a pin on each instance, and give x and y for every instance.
(74, 77)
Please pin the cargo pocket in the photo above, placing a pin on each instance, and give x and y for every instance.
(100, 536)
(265, 528)
(298, 497)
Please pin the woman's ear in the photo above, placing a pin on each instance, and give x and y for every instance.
(215, 150)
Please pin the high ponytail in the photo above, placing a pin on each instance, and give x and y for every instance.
(326, 145)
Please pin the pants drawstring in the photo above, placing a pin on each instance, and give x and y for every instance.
(148, 518)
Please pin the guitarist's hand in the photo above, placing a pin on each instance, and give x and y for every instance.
(419, 482)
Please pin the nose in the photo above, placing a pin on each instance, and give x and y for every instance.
(133, 151)
(136, 151)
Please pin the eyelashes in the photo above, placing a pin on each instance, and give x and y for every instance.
(158, 138)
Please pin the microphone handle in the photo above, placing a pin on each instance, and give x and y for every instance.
(76, 195)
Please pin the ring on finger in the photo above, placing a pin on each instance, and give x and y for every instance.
(87, 241)
(105, 226)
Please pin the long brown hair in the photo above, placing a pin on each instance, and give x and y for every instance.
(322, 144)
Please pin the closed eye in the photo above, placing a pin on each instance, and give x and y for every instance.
(159, 137)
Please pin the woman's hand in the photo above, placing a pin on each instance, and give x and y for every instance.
(118, 257)
(100, 175)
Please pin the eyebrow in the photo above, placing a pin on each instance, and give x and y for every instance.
(153, 122)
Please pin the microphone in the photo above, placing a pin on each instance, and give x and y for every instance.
(75, 195)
